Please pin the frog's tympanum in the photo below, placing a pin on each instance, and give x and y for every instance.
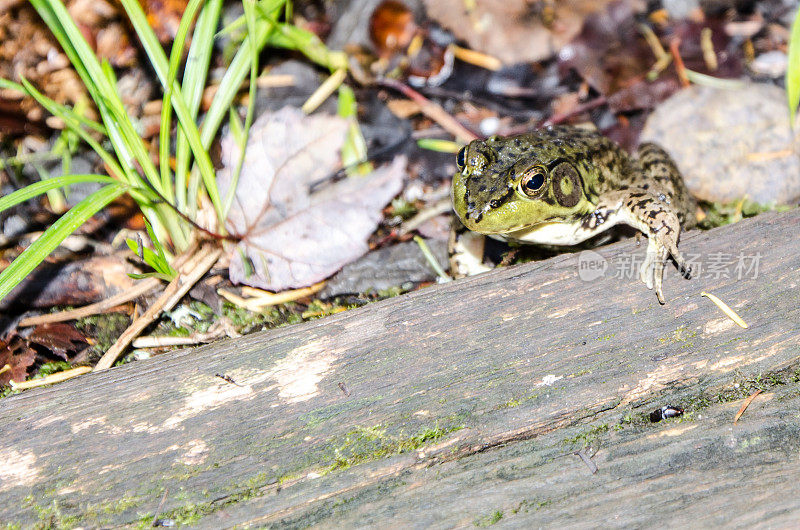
(564, 185)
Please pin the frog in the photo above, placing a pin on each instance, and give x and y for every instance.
(563, 185)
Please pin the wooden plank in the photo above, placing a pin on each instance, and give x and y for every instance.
(483, 385)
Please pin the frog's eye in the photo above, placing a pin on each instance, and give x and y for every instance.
(532, 182)
(461, 158)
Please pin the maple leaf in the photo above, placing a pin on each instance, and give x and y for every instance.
(295, 227)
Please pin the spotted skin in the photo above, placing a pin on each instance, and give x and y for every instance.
(564, 185)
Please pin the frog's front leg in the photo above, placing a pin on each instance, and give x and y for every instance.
(650, 213)
(466, 251)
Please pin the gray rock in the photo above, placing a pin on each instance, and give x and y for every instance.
(730, 143)
(388, 267)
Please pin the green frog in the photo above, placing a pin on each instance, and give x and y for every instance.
(563, 185)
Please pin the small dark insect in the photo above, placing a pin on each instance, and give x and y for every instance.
(343, 388)
(667, 411)
(167, 523)
(227, 378)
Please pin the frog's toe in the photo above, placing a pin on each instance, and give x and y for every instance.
(658, 275)
(652, 270)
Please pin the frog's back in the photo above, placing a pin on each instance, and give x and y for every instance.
(606, 167)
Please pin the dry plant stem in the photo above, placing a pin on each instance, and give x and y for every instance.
(261, 299)
(324, 91)
(477, 58)
(438, 208)
(580, 109)
(725, 308)
(151, 341)
(706, 44)
(53, 378)
(745, 405)
(141, 288)
(674, 46)
(192, 271)
(432, 111)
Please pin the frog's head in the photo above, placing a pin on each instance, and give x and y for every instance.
(509, 184)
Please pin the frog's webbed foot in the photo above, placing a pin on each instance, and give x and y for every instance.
(652, 215)
(662, 228)
(466, 251)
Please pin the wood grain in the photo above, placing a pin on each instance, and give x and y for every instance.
(450, 406)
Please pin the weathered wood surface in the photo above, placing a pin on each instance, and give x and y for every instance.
(468, 361)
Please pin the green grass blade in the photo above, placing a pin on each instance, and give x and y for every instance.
(88, 67)
(226, 92)
(194, 80)
(793, 68)
(159, 62)
(74, 125)
(166, 108)
(250, 17)
(59, 108)
(306, 42)
(53, 236)
(231, 82)
(38, 188)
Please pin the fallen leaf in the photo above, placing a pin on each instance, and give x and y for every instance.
(610, 52)
(59, 338)
(18, 354)
(296, 228)
(514, 31)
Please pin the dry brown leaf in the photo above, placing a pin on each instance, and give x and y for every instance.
(514, 31)
(295, 231)
(18, 354)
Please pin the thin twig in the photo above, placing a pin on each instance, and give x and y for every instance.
(579, 109)
(141, 288)
(438, 208)
(261, 299)
(674, 47)
(52, 378)
(431, 110)
(194, 269)
(160, 506)
(745, 405)
(152, 341)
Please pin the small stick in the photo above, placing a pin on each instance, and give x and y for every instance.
(438, 208)
(261, 299)
(52, 378)
(432, 110)
(709, 55)
(745, 405)
(324, 91)
(674, 45)
(195, 269)
(152, 341)
(160, 506)
(141, 288)
(477, 58)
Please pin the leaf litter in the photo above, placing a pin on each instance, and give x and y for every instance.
(296, 225)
